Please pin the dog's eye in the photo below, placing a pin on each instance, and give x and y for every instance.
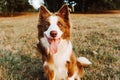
(47, 24)
(59, 24)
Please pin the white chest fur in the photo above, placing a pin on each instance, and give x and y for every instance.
(64, 52)
(60, 58)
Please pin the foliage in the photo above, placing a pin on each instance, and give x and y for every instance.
(53, 5)
(96, 5)
(9, 7)
(85, 5)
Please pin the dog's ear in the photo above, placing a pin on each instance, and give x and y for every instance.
(44, 13)
(64, 12)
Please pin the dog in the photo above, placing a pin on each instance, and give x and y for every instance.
(59, 61)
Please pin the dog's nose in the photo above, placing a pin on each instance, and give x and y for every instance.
(53, 34)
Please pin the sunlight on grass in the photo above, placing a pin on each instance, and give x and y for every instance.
(96, 37)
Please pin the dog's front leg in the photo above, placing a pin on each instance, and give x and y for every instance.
(50, 75)
(49, 72)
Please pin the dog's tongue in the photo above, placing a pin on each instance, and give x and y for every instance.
(54, 45)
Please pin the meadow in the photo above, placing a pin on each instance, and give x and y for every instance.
(95, 36)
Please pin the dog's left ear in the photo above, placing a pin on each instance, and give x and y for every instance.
(44, 12)
(64, 12)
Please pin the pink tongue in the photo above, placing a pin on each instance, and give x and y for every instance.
(54, 45)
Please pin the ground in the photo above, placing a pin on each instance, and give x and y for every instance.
(95, 36)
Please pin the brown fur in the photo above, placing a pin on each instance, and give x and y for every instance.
(49, 72)
(44, 23)
(64, 25)
(73, 65)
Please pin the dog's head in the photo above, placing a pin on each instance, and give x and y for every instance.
(54, 26)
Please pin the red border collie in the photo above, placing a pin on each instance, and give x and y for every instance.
(55, 46)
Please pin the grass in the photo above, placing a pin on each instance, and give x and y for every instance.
(21, 67)
(95, 36)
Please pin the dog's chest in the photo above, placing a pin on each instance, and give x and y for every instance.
(59, 66)
(61, 57)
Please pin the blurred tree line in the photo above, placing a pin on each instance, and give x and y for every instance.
(97, 5)
(85, 5)
(9, 7)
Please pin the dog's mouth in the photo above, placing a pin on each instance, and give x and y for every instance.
(54, 43)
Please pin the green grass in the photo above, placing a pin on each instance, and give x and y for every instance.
(20, 67)
(95, 36)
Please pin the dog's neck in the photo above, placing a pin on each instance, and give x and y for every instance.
(65, 47)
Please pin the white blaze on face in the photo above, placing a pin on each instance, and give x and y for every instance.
(53, 27)
(53, 41)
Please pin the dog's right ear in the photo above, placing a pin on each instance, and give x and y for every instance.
(43, 13)
(64, 12)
